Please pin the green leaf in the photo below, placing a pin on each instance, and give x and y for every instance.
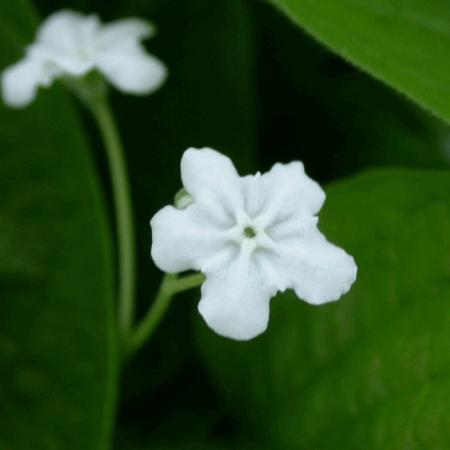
(404, 43)
(57, 347)
(361, 122)
(372, 370)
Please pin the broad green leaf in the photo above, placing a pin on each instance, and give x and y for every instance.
(405, 43)
(372, 370)
(57, 347)
(332, 116)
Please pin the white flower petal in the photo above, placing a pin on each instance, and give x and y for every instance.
(289, 192)
(235, 298)
(68, 40)
(184, 239)
(20, 82)
(130, 69)
(68, 31)
(318, 270)
(61, 63)
(206, 170)
(255, 196)
(115, 33)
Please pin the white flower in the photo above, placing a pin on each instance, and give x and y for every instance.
(251, 236)
(71, 44)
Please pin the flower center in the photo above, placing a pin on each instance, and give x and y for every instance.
(249, 232)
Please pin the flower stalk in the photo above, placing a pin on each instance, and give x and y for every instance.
(169, 287)
(123, 212)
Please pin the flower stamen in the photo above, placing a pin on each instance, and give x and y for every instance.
(249, 232)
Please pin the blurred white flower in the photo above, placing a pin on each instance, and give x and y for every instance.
(251, 236)
(71, 44)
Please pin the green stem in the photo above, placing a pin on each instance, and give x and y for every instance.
(170, 285)
(123, 211)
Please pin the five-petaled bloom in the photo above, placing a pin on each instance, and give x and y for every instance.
(71, 44)
(251, 236)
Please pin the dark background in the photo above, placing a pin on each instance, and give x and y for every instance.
(245, 81)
